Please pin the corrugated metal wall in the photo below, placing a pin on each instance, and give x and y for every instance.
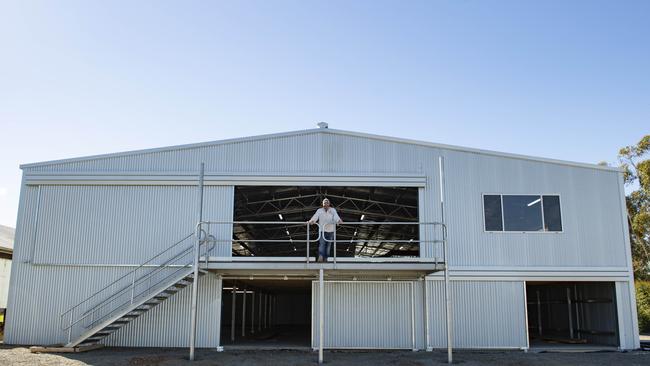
(593, 234)
(125, 225)
(592, 227)
(96, 225)
(121, 224)
(168, 324)
(625, 313)
(368, 314)
(486, 314)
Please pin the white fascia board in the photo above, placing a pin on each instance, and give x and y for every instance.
(219, 179)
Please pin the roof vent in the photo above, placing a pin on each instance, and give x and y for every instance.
(322, 125)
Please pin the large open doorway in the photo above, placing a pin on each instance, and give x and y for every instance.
(268, 313)
(298, 204)
(569, 314)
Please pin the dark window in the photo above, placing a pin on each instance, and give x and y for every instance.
(492, 210)
(552, 217)
(522, 213)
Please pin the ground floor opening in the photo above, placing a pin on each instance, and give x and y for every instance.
(570, 314)
(266, 313)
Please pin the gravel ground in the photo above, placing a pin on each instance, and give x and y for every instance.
(167, 357)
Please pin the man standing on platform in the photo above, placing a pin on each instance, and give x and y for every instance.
(327, 218)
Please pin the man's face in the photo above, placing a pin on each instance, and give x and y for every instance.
(326, 204)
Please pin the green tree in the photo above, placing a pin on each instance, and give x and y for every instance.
(636, 167)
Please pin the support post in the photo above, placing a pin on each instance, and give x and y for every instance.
(253, 312)
(445, 255)
(271, 310)
(70, 326)
(243, 314)
(321, 315)
(195, 282)
(259, 314)
(568, 304)
(266, 300)
(413, 317)
(539, 313)
(133, 285)
(575, 305)
(307, 260)
(233, 313)
(426, 315)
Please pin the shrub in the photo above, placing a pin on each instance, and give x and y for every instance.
(643, 305)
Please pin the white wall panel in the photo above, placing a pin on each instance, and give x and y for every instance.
(485, 314)
(121, 224)
(365, 314)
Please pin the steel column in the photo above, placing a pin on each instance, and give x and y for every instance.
(243, 315)
(568, 302)
(321, 315)
(259, 314)
(195, 282)
(539, 313)
(266, 298)
(444, 249)
(426, 315)
(233, 313)
(413, 317)
(253, 312)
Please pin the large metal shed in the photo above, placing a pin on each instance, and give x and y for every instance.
(538, 253)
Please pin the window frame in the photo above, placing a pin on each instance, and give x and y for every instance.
(541, 196)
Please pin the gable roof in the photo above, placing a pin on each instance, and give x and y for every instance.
(324, 131)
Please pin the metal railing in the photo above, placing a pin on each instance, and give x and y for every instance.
(142, 283)
(434, 224)
(205, 226)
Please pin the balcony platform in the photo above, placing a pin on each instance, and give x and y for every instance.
(345, 267)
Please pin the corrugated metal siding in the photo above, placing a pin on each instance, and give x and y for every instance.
(589, 197)
(33, 317)
(624, 310)
(368, 314)
(111, 224)
(218, 205)
(122, 224)
(272, 155)
(590, 213)
(43, 293)
(40, 293)
(485, 314)
(168, 324)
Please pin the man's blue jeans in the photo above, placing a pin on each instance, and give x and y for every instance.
(324, 247)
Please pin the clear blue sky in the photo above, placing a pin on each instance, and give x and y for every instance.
(560, 79)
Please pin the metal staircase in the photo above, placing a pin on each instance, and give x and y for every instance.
(133, 294)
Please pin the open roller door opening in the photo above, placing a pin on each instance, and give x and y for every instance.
(267, 314)
(572, 314)
(299, 203)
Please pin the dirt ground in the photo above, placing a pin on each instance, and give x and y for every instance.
(165, 357)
